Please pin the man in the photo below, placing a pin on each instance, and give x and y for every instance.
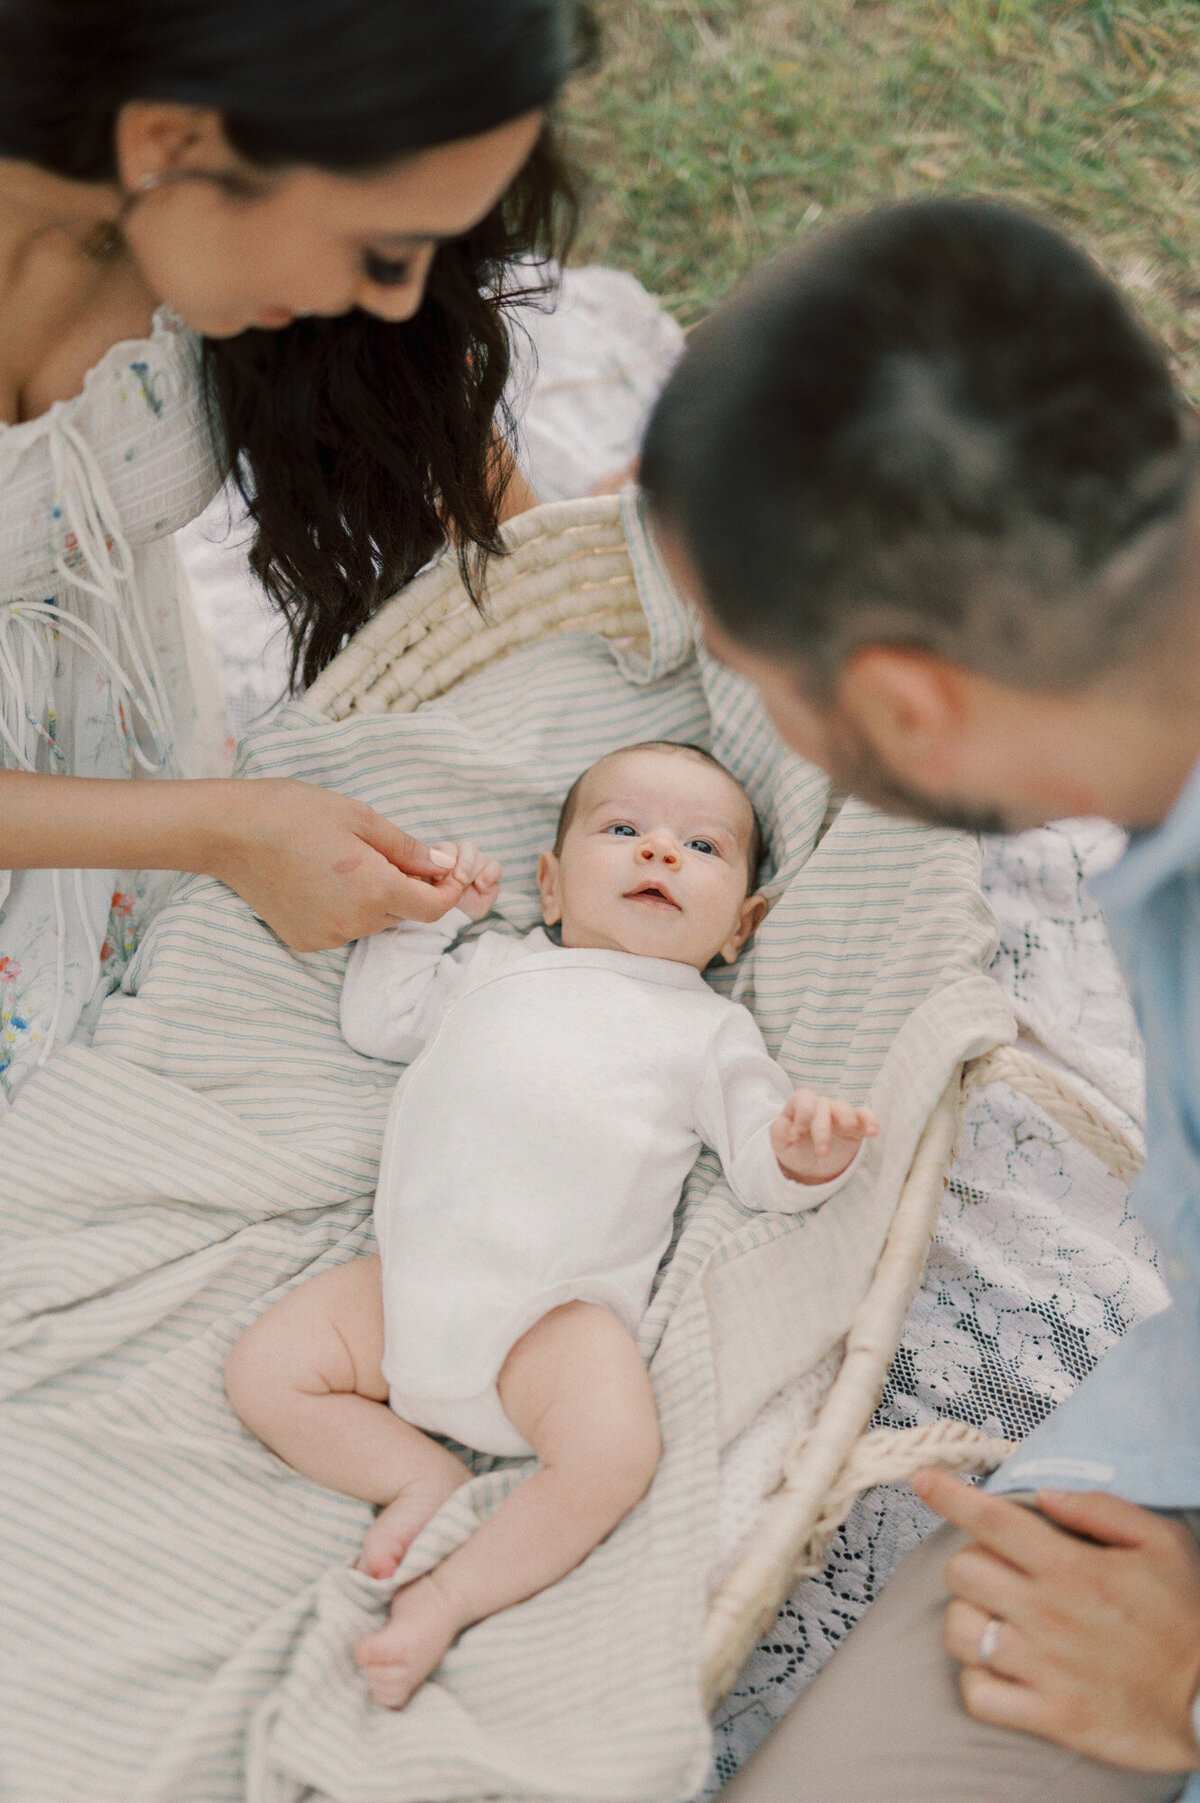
(934, 491)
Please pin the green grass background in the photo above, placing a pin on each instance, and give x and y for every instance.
(714, 132)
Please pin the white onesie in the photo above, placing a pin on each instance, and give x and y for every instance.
(538, 1143)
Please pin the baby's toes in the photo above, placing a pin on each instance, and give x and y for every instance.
(383, 1548)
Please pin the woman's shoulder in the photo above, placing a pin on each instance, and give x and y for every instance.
(137, 434)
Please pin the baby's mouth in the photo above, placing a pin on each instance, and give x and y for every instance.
(654, 896)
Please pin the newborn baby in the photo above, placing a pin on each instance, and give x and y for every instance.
(557, 1093)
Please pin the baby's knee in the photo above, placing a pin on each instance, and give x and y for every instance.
(632, 1457)
(265, 1362)
(618, 1449)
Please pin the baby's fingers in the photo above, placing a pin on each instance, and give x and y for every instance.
(853, 1123)
(489, 877)
(798, 1109)
(821, 1126)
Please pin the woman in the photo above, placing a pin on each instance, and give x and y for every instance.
(237, 236)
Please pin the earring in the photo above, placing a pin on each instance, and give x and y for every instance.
(106, 237)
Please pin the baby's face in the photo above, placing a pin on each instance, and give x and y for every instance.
(655, 861)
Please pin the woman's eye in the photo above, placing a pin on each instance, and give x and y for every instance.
(386, 272)
(704, 845)
(623, 827)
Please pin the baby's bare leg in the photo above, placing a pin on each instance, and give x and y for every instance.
(576, 1388)
(307, 1378)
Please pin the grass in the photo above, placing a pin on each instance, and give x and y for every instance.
(714, 132)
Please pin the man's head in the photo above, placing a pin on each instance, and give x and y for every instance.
(929, 479)
(656, 853)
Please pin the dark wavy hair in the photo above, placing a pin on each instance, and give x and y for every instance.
(359, 445)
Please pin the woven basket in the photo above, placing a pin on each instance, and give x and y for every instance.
(568, 569)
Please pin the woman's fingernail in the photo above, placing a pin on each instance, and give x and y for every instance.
(446, 859)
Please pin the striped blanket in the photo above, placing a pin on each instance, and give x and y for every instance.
(178, 1608)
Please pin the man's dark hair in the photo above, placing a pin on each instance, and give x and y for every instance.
(755, 847)
(937, 426)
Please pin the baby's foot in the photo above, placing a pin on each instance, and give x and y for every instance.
(396, 1527)
(398, 1659)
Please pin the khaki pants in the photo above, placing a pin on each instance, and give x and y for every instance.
(882, 1723)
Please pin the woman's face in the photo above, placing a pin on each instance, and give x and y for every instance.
(228, 246)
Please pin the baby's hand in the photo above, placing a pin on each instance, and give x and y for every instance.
(814, 1138)
(474, 882)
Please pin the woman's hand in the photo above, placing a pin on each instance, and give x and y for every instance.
(814, 1137)
(321, 868)
(1097, 1639)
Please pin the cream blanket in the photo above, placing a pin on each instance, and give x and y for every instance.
(178, 1608)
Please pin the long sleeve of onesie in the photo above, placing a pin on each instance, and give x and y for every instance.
(397, 982)
(742, 1092)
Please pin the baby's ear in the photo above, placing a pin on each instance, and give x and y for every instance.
(547, 880)
(751, 915)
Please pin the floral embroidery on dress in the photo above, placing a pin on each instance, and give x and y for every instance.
(15, 1026)
(149, 382)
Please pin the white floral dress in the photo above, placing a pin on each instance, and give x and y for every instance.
(102, 669)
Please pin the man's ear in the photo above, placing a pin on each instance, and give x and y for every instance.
(912, 707)
(547, 881)
(751, 915)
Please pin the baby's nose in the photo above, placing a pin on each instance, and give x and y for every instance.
(658, 845)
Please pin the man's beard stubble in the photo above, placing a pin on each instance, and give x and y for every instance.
(859, 771)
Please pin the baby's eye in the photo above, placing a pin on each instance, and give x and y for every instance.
(704, 845)
(621, 826)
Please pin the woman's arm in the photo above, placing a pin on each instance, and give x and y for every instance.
(318, 867)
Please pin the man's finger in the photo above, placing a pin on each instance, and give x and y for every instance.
(1108, 1519)
(981, 1581)
(1003, 1702)
(1006, 1528)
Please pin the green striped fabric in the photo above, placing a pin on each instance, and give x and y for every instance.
(180, 1607)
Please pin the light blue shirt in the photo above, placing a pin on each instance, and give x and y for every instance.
(1133, 1425)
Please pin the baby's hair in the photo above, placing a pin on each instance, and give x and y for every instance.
(756, 846)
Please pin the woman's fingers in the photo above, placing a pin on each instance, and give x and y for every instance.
(402, 849)
(407, 898)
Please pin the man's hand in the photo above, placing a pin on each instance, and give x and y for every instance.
(814, 1138)
(1097, 1642)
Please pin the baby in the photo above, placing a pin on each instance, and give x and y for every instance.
(556, 1097)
